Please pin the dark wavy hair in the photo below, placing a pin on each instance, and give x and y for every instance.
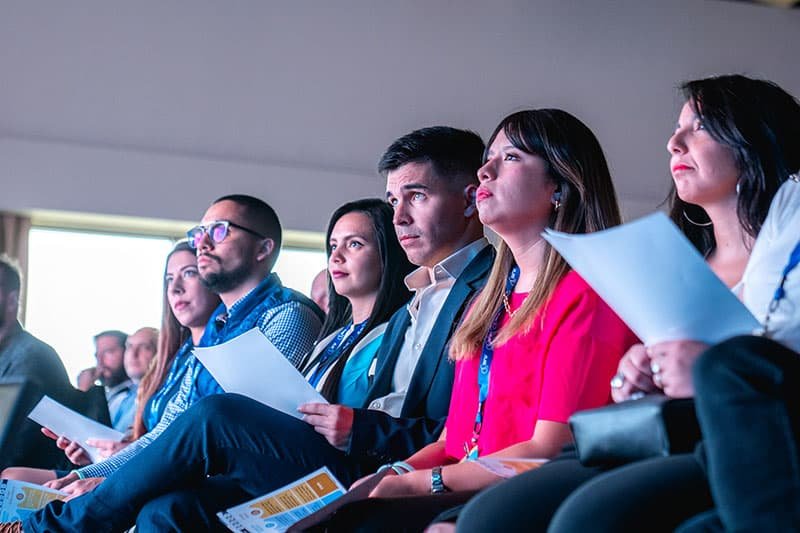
(392, 292)
(760, 123)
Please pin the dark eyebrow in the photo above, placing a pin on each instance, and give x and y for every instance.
(410, 187)
(350, 236)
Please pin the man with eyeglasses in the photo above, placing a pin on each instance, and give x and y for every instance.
(237, 244)
(248, 449)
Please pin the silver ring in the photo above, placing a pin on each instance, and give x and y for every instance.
(617, 381)
(657, 379)
(655, 368)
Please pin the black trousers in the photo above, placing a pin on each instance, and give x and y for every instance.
(748, 404)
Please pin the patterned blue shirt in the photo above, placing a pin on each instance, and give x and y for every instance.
(287, 318)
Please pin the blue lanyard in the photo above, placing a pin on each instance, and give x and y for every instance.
(484, 370)
(780, 292)
(175, 374)
(340, 343)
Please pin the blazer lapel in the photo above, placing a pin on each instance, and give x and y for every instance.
(435, 354)
(388, 354)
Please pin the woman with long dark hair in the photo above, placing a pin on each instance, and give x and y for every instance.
(366, 267)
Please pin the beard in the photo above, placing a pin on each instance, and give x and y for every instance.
(222, 282)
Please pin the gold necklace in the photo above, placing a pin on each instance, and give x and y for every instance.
(508, 307)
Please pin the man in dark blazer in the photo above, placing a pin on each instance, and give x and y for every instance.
(249, 449)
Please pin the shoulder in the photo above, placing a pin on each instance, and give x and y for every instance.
(573, 287)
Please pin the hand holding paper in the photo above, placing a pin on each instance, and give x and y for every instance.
(64, 421)
(656, 281)
(251, 365)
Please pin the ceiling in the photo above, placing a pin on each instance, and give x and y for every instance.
(153, 108)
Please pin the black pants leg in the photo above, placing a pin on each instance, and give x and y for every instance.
(528, 501)
(652, 495)
(748, 404)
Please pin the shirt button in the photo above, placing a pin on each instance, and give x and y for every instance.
(375, 405)
(418, 346)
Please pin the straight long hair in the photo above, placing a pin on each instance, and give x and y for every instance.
(760, 123)
(171, 337)
(577, 165)
(392, 292)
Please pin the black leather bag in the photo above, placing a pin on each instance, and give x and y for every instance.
(653, 426)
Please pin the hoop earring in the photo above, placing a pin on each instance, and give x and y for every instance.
(703, 225)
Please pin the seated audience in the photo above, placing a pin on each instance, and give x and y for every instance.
(735, 143)
(110, 372)
(538, 344)
(23, 357)
(140, 348)
(187, 306)
(235, 261)
(248, 449)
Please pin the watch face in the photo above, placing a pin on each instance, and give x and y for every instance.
(437, 484)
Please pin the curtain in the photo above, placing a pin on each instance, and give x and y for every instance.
(14, 243)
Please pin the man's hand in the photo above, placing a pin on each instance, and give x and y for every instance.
(72, 450)
(81, 486)
(334, 422)
(60, 483)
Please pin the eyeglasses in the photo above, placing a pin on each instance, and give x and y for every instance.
(217, 231)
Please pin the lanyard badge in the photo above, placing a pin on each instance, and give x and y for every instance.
(484, 370)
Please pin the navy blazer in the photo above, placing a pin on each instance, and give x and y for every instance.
(381, 437)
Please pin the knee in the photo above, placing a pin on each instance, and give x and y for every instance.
(725, 356)
(160, 514)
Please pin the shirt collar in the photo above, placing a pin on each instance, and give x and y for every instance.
(449, 267)
(270, 280)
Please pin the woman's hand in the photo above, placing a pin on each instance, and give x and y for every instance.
(414, 483)
(671, 363)
(60, 483)
(72, 450)
(107, 448)
(634, 369)
(81, 486)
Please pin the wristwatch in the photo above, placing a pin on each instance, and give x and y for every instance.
(437, 485)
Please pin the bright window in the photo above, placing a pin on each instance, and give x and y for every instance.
(81, 283)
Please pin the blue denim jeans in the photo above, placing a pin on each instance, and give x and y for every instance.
(225, 447)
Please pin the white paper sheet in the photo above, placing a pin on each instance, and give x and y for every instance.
(64, 421)
(656, 281)
(251, 365)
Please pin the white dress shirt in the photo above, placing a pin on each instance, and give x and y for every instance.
(431, 288)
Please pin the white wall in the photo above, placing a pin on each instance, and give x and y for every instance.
(153, 108)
